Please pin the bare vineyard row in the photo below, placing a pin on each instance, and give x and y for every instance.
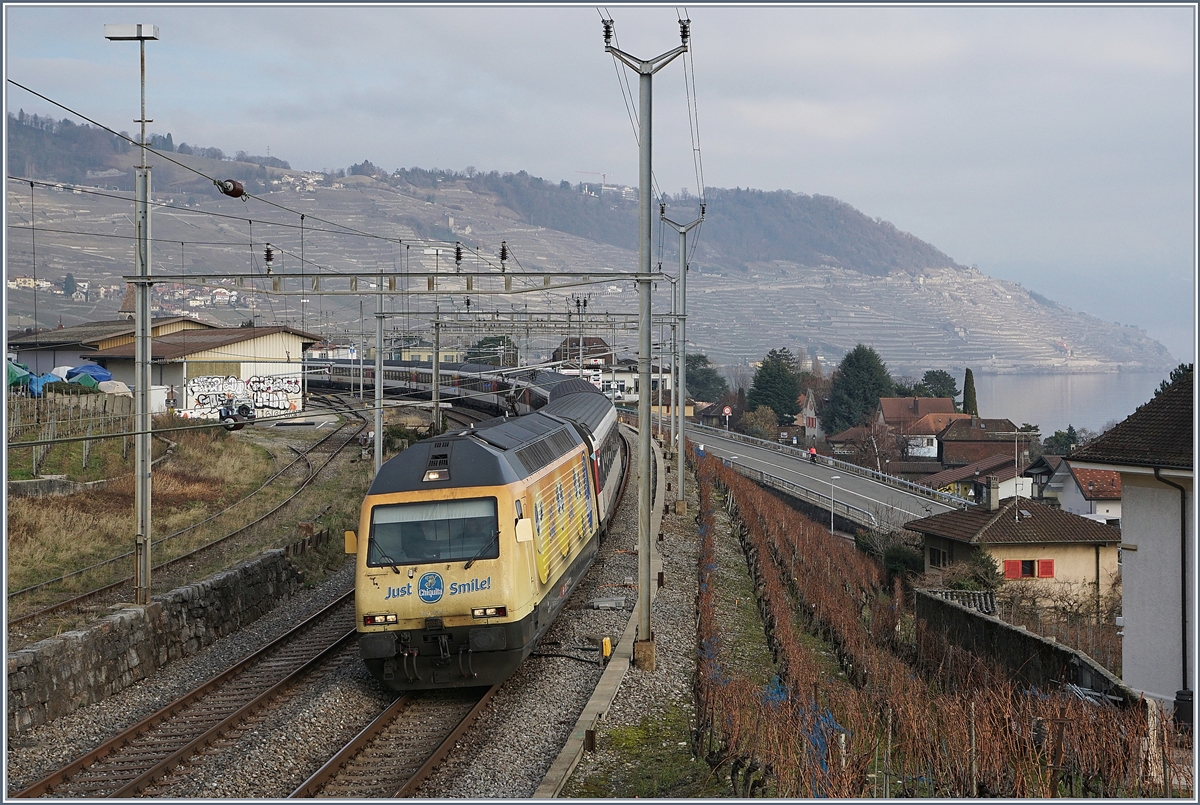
(946, 725)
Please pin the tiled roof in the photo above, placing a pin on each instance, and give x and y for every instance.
(1000, 465)
(929, 467)
(1045, 463)
(1041, 525)
(1159, 434)
(187, 342)
(849, 435)
(976, 429)
(898, 410)
(1097, 484)
(932, 424)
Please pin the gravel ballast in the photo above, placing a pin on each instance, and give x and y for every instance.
(505, 754)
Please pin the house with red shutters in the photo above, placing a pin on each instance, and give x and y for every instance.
(1030, 541)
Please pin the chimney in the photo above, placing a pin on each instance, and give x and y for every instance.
(993, 493)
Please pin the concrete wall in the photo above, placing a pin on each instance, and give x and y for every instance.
(1152, 659)
(1032, 659)
(61, 674)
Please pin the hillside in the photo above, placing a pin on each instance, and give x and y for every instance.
(772, 269)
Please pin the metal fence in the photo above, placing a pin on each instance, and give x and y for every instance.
(799, 454)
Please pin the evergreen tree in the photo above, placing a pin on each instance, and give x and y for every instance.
(703, 381)
(1178, 373)
(69, 285)
(777, 385)
(970, 405)
(1062, 442)
(940, 383)
(497, 350)
(861, 379)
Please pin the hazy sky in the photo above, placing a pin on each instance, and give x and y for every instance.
(1051, 146)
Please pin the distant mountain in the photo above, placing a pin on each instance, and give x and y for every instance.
(742, 225)
(772, 269)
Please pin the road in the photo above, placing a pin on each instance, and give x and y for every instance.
(857, 497)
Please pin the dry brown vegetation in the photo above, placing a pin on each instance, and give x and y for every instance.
(949, 726)
(50, 536)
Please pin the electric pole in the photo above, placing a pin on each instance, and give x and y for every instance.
(143, 461)
(643, 648)
(682, 229)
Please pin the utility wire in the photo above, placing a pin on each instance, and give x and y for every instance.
(200, 173)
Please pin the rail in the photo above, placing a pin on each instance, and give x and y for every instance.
(77, 600)
(141, 754)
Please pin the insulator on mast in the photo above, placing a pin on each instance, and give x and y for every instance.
(608, 32)
(684, 33)
(458, 254)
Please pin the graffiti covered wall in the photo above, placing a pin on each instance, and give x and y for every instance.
(272, 394)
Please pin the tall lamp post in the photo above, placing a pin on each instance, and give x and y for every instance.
(643, 647)
(139, 33)
(832, 478)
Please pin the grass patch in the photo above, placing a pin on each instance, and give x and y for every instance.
(48, 537)
(652, 759)
(743, 643)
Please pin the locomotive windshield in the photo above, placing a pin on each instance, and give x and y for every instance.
(435, 531)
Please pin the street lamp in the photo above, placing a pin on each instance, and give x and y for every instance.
(142, 462)
(832, 478)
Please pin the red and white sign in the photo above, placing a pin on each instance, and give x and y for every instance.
(727, 410)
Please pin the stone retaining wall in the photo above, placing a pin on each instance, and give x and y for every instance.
(61, 674)
(1034, 660)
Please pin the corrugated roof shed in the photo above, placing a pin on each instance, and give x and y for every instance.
(187, 342)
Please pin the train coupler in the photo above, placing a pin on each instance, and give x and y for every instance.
(389, 669)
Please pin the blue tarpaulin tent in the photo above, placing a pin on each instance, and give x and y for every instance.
(37, 383)
(96, 371)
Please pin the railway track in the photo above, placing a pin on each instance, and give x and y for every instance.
(139, 756)
(397, 751)
(324, 450)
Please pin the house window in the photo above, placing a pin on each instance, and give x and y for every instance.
(1028, 568)
(938, 557)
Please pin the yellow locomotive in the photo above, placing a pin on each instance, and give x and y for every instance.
(473, 541)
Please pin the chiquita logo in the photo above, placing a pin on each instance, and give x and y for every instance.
(430, 588)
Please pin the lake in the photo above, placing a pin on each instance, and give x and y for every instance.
(1055, 401)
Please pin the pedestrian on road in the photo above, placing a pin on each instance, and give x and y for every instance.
(812, 455)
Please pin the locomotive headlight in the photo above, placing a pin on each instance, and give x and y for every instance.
(489, 612)
(380, 620)
(436, 475)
